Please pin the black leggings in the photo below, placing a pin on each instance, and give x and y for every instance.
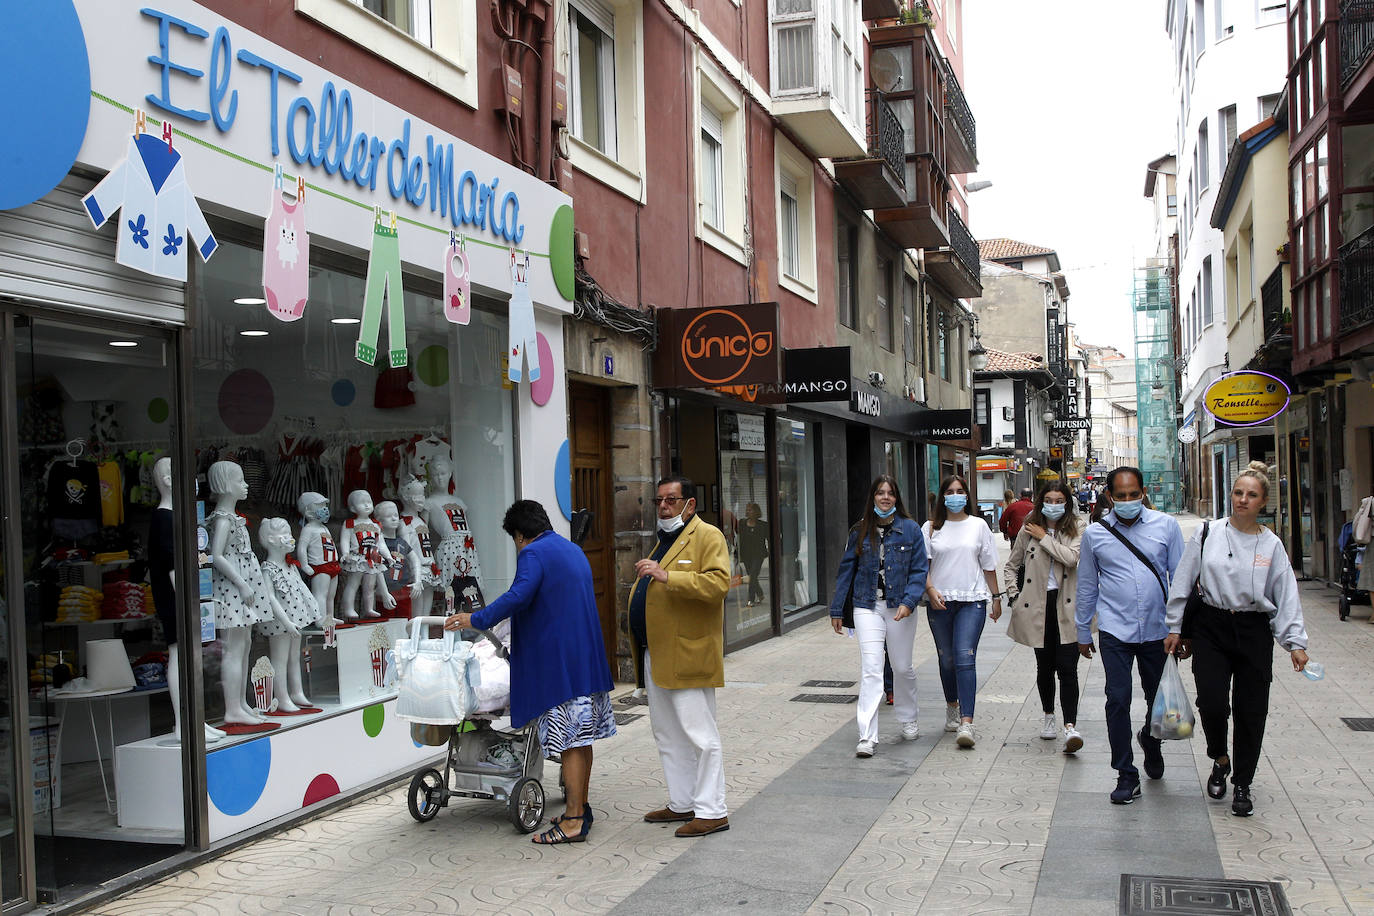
(1060, 659)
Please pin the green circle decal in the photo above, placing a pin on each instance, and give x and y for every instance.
(432, 365)
(373, 717)
(158, 410)
(561, 251)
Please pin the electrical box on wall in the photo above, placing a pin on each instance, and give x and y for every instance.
(513, 91)
(560, 100)
(582, 245)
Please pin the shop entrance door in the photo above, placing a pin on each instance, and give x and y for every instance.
(88, 410)
(14, 830)
(589, 423)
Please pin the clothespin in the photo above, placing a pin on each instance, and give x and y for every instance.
(512, 257)
(140, 122)
(276, 175)
(377, 215)
(300, 188)
(452, 239)
(393, 220)
(167, 134)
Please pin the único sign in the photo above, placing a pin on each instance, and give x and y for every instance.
(722, 345)
(1246, 398)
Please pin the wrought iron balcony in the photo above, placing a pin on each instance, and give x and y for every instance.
(885, 139)
(877, 180)
(1271, 303)
(963, 137)
(1357, 281)
(957, 268)
(1357, 36)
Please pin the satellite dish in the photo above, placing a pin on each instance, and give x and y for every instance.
(886, 69)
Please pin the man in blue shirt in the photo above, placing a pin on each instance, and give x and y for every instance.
(1127, 593)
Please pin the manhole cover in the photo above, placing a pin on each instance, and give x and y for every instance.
(630, 699)
(1156, 895)
(1359, 725)
(625, 718)
(828, 683)
(826, 698)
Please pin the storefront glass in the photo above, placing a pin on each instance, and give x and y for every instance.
(9, 834)
(797, 533)
(744, 502)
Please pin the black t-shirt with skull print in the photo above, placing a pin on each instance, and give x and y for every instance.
(74, 491)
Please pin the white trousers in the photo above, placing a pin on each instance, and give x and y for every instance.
(684, 724)
(876, 628)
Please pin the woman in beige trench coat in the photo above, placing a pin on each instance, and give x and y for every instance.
(1042, 610)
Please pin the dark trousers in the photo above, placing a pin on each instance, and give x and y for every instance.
(752, 565)
(1057, 659)
(1116, 667)
(1233, 663)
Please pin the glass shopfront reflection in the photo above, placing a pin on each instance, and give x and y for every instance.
(743, 504)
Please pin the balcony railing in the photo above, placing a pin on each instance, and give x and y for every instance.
(885, 135)
(1357, 281)
(1271, 303)
(956, 106)
(1357, 36)
(962, 243)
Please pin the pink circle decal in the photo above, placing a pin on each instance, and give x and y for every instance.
(246, 401)
(541, 389)
(321, 787)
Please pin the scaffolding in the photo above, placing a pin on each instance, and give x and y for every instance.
(1156, 388)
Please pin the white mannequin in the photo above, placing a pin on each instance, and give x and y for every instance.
(240, 600)
(421, 546)
(317, 555)
(389, 518)
(456, 550)
(359, 565)
(162, 479)
(294, 606)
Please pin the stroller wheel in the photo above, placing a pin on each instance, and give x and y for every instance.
(526, 804)
(426, 795)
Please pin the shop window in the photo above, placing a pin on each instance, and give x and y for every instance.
(798, 536)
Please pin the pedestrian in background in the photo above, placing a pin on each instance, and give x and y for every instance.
(1015, 515)
(677, 626)
(961, 581)
(1250, 597)
(751, 537)
(1042, 610)
(881, 577)
(1125, 564)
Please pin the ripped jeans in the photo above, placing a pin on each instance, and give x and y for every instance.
(956, 631)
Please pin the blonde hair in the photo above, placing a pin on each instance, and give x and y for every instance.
(1260, 471)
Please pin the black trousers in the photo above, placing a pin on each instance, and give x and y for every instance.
(1057, 659)
(1233, 663)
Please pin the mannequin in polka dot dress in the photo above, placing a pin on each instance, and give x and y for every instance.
(291, 599)
(363, 556)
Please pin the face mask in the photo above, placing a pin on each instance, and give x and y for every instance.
(1053, 511)
(669, 525)
(1128, 508)
(955, 502)
(888, 514)
(322, 513)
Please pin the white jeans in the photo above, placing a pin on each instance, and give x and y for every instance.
(875, 627)
(684, 725)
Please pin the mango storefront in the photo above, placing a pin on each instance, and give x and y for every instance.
(274, 353)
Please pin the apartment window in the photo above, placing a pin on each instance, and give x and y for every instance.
(1226, 119)
(909, 319)
(1223, 10)
(789, 251)
(846, 271)
(1204, 158)
(1206, 281)
(396, 12)
(1268, 12)
(1199, 29)
(846, 58)
(942, 344)
(794, 174)
(712, 167)
(982, 414)
(593, 75)
(1172, 204)
(1267, 104)
(884, 303)
(794, 34)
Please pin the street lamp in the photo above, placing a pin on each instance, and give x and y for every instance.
(977, 355)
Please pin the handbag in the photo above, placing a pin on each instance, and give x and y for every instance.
(435, 678)
(1196, 600)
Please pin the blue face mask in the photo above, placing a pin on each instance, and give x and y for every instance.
(955, 502)
(1128, 508)
(1053, 511)
(888, 514)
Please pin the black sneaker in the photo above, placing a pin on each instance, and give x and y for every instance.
(1216, 783)
(1154, 757)
(1241, 806)
(1127, 790)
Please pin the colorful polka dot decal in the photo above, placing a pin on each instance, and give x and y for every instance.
(321, 787)
(432, 365)
(374, 717)
(561, 251)
(562, 479)
(159, 410)
(236, 775)
(541, 389)
(246, 402)
(343, 392)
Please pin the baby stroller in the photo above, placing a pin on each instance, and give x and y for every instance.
(1352, 557)
(484, 760)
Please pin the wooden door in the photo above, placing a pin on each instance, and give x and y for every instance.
(589, 422)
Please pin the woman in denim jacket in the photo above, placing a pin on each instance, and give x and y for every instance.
(882, 575)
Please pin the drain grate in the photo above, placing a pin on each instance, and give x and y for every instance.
(629, 699)
(1157, 895)
(1359, 725)
(829, 683)
(826, 698)
(625, 718)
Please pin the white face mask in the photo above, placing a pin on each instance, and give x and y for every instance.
(669, 525)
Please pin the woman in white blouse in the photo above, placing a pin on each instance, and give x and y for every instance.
(961, 581)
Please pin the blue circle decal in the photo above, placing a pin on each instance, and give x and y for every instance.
(42, 39)
(562, 479)
(236, 776)
(343, 392)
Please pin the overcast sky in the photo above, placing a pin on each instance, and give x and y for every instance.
(1072, 99)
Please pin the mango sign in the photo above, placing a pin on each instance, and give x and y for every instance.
(1246, 398)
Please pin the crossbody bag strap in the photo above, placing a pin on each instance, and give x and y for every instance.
(1201, 558)
(1139, 556)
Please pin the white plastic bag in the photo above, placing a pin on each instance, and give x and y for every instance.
(1171, 717)
(434, 677)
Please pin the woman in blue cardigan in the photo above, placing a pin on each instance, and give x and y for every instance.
(558, 670)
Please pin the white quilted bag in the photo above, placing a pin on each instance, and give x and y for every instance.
(434, 677)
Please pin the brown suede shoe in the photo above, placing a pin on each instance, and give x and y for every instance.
(700, 826)
(667, 816)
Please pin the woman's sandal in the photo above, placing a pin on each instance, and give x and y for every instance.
(555, 836)
(586, 816)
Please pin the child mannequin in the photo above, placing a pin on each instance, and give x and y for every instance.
(294, 608)
(317, 555)
(362, 556)
(401, 579)
(422, 546)
(447, 517)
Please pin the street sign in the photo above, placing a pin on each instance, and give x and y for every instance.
(1056, 452)
(1072, 423)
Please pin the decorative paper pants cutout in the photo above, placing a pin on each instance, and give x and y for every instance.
(520, 338)
(286, 259)
(383, 286)
(457, 285)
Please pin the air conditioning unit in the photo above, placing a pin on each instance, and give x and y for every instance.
(918, 389)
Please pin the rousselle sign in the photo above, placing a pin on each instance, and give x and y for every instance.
(1245, 398)
(720, 345)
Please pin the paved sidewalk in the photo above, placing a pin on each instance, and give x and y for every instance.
(1011, 826)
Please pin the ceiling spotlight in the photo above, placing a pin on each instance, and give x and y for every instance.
(345, 321)
(123, 343)
(250, 300)
(252, 333)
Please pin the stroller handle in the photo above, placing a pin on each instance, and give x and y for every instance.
(501, 650)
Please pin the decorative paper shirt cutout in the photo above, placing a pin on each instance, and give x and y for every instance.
(285, 257)
(457, 282)
(521, 344)
(383, 288)
(160, 213)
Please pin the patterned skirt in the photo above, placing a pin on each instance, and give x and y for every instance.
(577, 723)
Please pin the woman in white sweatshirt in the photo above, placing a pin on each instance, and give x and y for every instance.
(1251, 597)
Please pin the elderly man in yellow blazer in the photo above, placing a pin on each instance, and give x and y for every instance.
(677, 623)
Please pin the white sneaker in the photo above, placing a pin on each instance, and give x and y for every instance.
(1073, 741)
(910, 731)
(865, 749)
(965, 738)
(951, 718)
(1048, 730)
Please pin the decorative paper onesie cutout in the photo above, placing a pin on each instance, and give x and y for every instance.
(520, 340)
(160, 212)
(457, 281)
(286, 254)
